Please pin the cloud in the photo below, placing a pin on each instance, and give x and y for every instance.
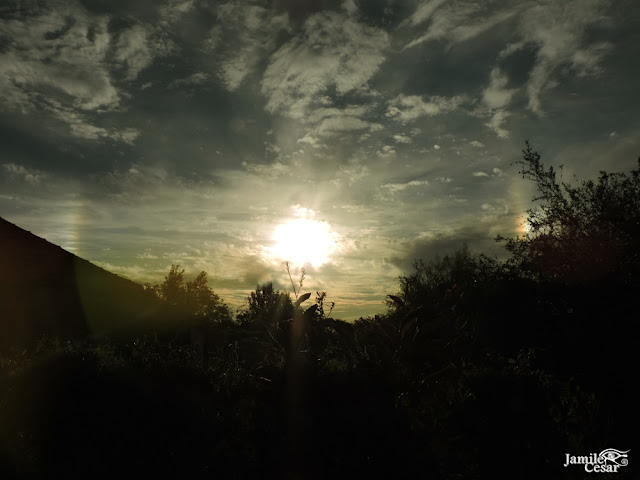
(351, 174)
(331, 51)
(456, 22)
(252, 31)
(496, 173)
(147, 256)
(479, 237)
(175, 8)
(80, 127)
(59, 62)
(72, 62)
(398, 187)
(476, 143)
(350, 7)
(425, 11)
(386, 151)
(496, 123)
(30, 176)
(559, 31)
(496, 95)
(345, 123)
(132, 51)
(91, 132)
(399, 138)
(406, 108)
(309, 140)
(329, 121)
(272, 170)
(195, 80)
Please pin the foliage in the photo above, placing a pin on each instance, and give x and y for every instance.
(266, 306)
(194, 296)
(579, 233)
(320, 302)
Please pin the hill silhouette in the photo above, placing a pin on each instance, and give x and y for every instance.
(46, 290)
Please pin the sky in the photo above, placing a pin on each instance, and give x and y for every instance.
(346, 137)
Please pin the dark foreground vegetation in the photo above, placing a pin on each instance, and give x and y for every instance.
(479, 369)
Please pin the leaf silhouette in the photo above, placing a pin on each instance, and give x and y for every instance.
(302, 298)
(310, 311)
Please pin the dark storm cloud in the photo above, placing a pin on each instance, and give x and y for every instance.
(479, 239)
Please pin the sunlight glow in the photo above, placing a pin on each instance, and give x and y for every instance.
(304, 241)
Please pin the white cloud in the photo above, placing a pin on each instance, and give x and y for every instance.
(496, 95)
(345, 123)
(587, 61)
(58, 62)
(147, 256)
(386, 151)
(69, 62)
(436, 147)
(80, 127)
(399, 138)
(480, 174)
(132, 51)
(242, 37)
(425, 11)
(406, 108)
(197, 79)
(496, 123)
(559, 31)
(331, 51)
(318, 114)
(476, 143)
(309, 139)
(398, 187)
(498, 208)
(457, 21)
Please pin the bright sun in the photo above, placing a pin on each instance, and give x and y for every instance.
(304, 241)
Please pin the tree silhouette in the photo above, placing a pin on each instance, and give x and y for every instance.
(579, 233)
(194, 296)
(172, 290)
(582, 254)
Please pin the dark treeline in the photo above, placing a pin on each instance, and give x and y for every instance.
(480, 368)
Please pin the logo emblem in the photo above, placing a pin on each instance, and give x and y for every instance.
(616, 457)
(608, 460)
